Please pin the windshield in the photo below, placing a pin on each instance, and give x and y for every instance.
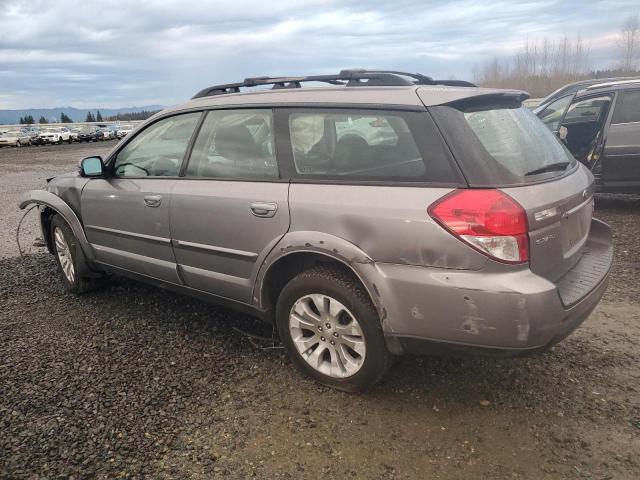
(504, 145)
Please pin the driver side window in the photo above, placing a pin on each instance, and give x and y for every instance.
(158, 150)
(552, 114)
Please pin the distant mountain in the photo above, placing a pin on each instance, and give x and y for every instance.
(76, 114)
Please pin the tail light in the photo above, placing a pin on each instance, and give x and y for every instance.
(488, 220)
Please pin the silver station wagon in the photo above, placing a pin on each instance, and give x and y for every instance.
(381, 214)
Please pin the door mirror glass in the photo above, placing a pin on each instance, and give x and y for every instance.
(562, 133)
(91, 167)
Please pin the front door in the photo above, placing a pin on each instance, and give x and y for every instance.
(583, 125)
(126, 214)
(231, 207)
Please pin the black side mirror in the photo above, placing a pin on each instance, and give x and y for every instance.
(92, 167)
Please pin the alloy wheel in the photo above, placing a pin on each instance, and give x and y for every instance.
(64, 255)
(327, 335)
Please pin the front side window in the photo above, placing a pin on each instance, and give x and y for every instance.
(236, 144)
(588, 110)
(627, 108)
(354, 144)
(552, 114)
(158, 150)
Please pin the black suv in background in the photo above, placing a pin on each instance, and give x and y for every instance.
(600, 125)
(573, 88)
(87, 134)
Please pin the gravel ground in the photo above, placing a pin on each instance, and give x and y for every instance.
(132, 381)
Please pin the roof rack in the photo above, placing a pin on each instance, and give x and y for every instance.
(613, 83)
(349, 78)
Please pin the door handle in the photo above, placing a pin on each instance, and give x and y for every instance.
(153, 201)
(264, 209)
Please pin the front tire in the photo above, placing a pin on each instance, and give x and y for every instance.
(331, 330)
(70, 258)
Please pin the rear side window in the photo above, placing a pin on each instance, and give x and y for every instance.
(366, 145)
(235, 144)
(627, 108)
(500, 146)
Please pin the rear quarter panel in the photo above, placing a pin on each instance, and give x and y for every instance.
(389, 223)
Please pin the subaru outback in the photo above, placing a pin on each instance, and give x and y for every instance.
(386, 213)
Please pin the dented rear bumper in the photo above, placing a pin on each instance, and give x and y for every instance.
(501, 313)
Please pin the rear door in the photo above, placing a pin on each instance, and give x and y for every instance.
(126, 214)
(231, 206)
(621, 162)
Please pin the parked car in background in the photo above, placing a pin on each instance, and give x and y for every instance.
(105, 133)
(600, 125)
(15, 138)
(124, 130)
(74, 133)
(34, 135)
(113, 129)
(56, 135)
(573, 88)
(88, 133)
(414, 218)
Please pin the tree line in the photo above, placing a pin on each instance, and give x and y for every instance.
(127, 117)
(64, 118)
(541, 67)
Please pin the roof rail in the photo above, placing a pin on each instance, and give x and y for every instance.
(613, 83)
(349, 78)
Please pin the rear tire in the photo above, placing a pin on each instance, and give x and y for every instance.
(70, 259)
(331, 330)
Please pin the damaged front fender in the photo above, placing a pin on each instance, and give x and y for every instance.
(49, 200)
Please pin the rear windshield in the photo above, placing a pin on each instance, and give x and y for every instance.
(500, 146)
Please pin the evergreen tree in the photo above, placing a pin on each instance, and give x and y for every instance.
(64, 118)
(98, 116)
(22, 122)
(29, 120)
(90, 117)
(126, 117)
(43, 120)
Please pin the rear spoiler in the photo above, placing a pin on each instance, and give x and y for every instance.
(500, 99)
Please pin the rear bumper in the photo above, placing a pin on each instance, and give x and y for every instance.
(492, 313)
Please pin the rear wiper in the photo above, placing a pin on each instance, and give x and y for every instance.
(552, 167)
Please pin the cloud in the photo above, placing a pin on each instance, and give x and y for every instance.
(97, 54)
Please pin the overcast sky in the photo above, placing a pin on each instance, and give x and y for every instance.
(123, 53)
